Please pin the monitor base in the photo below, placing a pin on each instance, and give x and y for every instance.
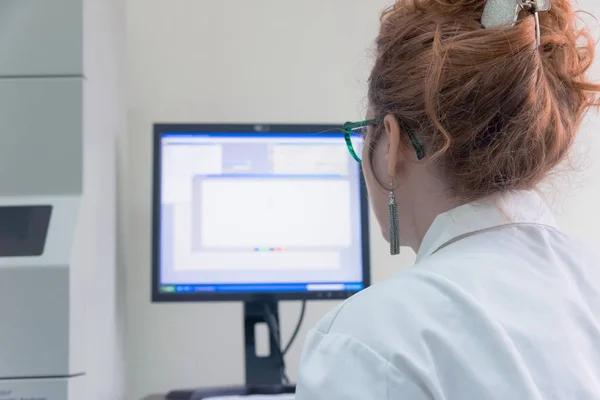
(201, 394)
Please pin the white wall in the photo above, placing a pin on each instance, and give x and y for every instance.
(104, 116)
(243, 61)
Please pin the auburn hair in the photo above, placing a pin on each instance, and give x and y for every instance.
(495, 111)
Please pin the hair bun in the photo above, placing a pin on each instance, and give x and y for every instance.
(494, 110)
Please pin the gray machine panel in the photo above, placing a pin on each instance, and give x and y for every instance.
(41, 120)
(41, 37)
(38, 306)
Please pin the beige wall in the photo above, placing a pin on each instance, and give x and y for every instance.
(245, 61)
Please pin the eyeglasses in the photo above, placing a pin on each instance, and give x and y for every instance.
(355, 133)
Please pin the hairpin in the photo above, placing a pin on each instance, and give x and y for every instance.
(503, 13)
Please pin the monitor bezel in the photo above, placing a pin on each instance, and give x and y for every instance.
(157, 296)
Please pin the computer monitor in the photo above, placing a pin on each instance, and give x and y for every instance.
(244, 211)
(257, 213)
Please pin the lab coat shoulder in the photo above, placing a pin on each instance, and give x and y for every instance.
(392, 311)
(337, 366)
(360, 310)
(364, 348)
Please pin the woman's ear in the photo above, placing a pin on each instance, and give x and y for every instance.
(395, 155)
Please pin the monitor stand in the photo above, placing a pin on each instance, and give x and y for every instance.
(263, 374)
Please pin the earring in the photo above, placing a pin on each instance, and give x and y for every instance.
(393, 223)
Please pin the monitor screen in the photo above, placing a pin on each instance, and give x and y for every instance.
(240, 213)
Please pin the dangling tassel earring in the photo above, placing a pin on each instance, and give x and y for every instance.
(393, 223)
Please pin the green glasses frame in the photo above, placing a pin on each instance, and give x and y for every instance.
(349, 126)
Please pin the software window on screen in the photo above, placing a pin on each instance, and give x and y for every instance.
(259, 212)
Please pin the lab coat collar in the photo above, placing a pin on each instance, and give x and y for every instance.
(514, 208)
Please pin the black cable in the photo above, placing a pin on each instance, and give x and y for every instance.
(275, 335)
(296, 329)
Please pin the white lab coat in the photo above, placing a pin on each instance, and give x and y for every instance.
(500, 305)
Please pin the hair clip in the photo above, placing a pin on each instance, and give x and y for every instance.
(503, 13)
